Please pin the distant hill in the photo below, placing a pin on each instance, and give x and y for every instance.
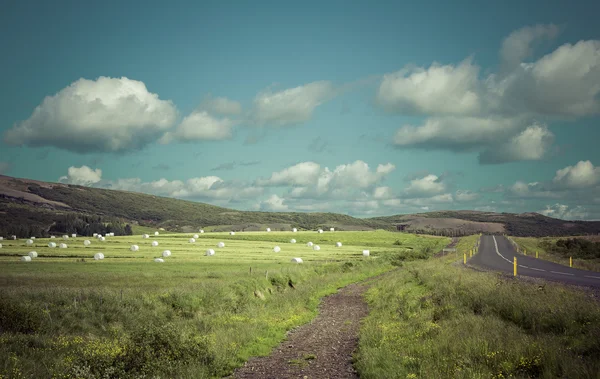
(30, 207)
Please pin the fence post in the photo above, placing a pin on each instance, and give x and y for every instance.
(515, 266)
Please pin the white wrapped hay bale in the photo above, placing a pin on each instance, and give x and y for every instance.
(52, 237)
(196, 236)
(134, 248)
(332, 229)
(292, 241)
(155, 233)
(33, 254)
(33, 238)
(74, 235)
(65, 237)
(154, 243)
(309, 244)
(98, 256)
(192, 240)
(102, 239)
(145, 236)
(366, 253)
(338, 244)
(86, 243)
(201, 231)
(99, 236)
(14, 237)
(316, 247)
(95, 235)
(112, 234)
(294, 230)
(52, 245)
(0, 246)
(62, 246)
(296, 260)
(232, 233)
(26, 258)
(159, 260)
(209, 252)
(320, 230)
(29, 242)
(166, 253)
(221, 244)
(268, 229)
(1, 238)
(277, 249)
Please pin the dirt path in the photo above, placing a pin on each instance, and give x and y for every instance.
(321, 349)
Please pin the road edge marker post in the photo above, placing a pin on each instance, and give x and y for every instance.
(465, 258)
(525, 251)
(515, 267)
(536, 254)
(570, 261)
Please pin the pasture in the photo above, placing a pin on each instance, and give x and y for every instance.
(67, 315)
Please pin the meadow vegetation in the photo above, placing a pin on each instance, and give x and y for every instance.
(585, 251)
(438, 319)
(65, 315)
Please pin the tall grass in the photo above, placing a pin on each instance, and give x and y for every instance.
(436, 319)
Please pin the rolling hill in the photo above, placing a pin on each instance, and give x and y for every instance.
(30, 207)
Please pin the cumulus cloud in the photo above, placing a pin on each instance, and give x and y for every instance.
(199, 126)
(464, 196)
(273, 204)
(102, 115)
(301, 174)
(83, 176)
(439, 89)
(220, 105)
(531, 144)
(291, 106)
(383, 193)
(582, 175)
(428, 186)
(564, 212)
(519, 44)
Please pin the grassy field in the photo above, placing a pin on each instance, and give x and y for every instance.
(64, 315)
(437, 319)
(532, 244)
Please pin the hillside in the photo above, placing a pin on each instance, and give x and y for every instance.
(30, 207)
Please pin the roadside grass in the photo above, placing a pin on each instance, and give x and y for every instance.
(436, 319)
(193, 316)
(533, 244)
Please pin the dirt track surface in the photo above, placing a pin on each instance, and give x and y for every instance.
(321, 349)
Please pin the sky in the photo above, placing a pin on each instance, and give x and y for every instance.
(363, 108)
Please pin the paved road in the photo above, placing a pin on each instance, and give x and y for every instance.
(497, 253)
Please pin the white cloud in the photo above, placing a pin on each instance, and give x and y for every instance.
(220, 105)
(427, 201)
(427, 186)
(519, 44)
(83, 176)
(301, 174)
(273, 204)
(4, 167)
(440, 89)
(531, 144)
(383, 193)
(582, 175)
(103, 115)
(466, 196)
(457, 132)
(564, 212)
(532, 190)
(198, 126)
(291, 106)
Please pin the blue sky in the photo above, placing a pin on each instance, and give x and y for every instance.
(352, 107)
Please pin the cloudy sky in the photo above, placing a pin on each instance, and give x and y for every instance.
(353, 107)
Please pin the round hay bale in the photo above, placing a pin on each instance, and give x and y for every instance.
(62, 246)
(268, 229)
(52, 245)
(366, 253)
(98, 256)
(192, 240)
(74, 235)
(102, 239)
(52, 237)
(166, 253)
(1, 238)
(209, 252)
(33, 238)
(134, 248)
(154, 243)
(332, 229)
(86, 243)
(159, 260)
(221, 244)
(14, 237)
(201, 231)
(232, 233)
(316, 247)
(0, 246)
(292, 241)
(320, 230)
(99, 236)
(29, 242)
(26, 258)
(65, 237)
(155, 233)
(296, 260)
(95, 235)
(145, 236)
(112, 234)
(309, 244)
(32, 254)
(338, 244)
(196, 236)
(277, 249)
(294, 230)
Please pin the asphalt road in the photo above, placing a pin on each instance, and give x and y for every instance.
(497, 253)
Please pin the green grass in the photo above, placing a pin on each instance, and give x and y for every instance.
(436, 319)
(532, 244)
(66, 315)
